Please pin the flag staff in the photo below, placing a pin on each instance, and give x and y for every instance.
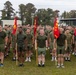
(56, 30)
(35, 37)
(15, 34)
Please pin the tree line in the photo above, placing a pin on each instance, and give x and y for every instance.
(29, 11)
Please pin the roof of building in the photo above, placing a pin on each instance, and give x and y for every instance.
(68, 19)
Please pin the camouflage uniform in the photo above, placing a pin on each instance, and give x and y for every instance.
(2, 41)
(29, 41)
(61, 44)
(41, 41)
(69, 42)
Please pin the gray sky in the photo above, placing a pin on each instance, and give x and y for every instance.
(62, 5)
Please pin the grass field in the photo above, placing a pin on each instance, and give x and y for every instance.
(10, 67)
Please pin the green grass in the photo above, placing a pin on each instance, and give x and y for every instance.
(10, 67)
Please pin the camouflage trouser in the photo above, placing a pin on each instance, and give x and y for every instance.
(29, 47)
(51, 47)
(2, 48)
(68, 48)
(20, 48)
(60, 49)
(42, 51)
(13, 45)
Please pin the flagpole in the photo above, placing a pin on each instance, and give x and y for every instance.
(16, 55)
(15, 34)
(36, 51)
(35, 37)
(56, 32)
(16, 50)
(36, 48)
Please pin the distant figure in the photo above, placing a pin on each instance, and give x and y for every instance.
(3, 45)
(51, 45)
(61, 47)
(21, 46)
(69, 45)
(42, 44)
(29, 44)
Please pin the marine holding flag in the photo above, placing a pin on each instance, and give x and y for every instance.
(61, 42)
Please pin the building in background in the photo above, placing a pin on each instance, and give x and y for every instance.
(68, 21)
(10, 22)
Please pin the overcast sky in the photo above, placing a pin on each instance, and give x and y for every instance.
(62, 5)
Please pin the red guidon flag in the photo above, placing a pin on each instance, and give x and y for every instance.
(14, 26)
(56, 30)
(35, 25)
